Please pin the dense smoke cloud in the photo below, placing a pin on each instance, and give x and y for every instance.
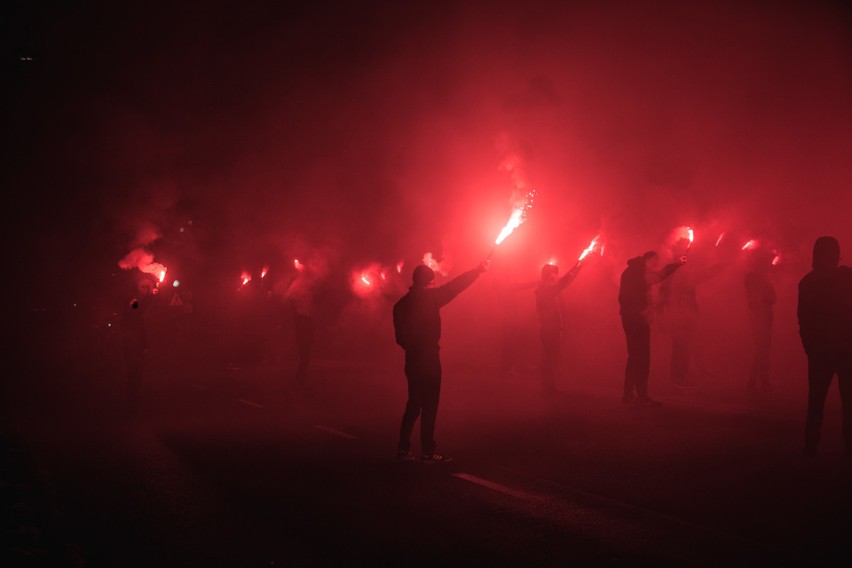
(361, 134)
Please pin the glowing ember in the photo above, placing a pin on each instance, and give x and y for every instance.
(751, 245)
(264, 272)
(399, 266)
(298, 265)
(590, 249)
(246, 278)
(176, 283)
(518, 216)
(162, 275)
(776, 260)
(691, 234)
(719, 240)
(365, 280)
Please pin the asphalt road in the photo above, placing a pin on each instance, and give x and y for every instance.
(240, 468)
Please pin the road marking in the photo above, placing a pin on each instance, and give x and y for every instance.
(497, 487)
(335, 432)
(250, 403)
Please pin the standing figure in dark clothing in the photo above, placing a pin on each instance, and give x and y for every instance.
(548, 303)
(760, 296)
(300, 296)
(825, 326)
(679, 301)
(417, 325)
(634, 299)
(134, 342)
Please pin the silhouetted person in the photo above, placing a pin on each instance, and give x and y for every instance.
(825, 326)
(511, 348)
(634, 299)
(760, 296)
(548, 303)
(679, 300)
(300, 295)
(417, 325)
(134, 342)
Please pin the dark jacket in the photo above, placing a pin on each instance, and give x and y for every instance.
(825, 312)
(417, 316)
(760, 294)
(634, 294)
(548, 301)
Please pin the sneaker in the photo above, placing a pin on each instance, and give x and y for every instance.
(405, 455)
(647, 401)
(434, 458)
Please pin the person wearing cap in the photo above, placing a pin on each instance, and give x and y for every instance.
(825, 326)
(634, 299)
(548, 303)
(417, 326)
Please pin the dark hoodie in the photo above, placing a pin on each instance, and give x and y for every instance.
(417, 316)
(634, 295)
(825, 311)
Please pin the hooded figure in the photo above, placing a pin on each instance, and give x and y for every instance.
(548, 302)
(760, 296)
(417, 325)
(825, 326)
(634, 299)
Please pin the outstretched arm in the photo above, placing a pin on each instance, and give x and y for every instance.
(569, 277)
(458, 284)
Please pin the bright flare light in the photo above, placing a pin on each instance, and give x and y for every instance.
(719, 240)
(590, 249)
(298, 265)
(246, 278)
(264, 272)
(751, 245)
(518, 216)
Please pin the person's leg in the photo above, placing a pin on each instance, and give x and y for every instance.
(414, 376)
(643, 358)
(820, 372)
(631, 369)
(844, 379)
(431, 393)
(549, 359)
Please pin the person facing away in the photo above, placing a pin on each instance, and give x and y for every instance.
(417, 326)
(301, 298)
(825, 326)
(548, 303)
(760, 297)
(634, 299)
(134, 342)
(679, 303)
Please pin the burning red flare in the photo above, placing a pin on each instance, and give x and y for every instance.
(590, 249)
(399, 266)
(517, 217)
(264, 272)
(719, 240)
(298, 265)
(751, 245)
(246, 278)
